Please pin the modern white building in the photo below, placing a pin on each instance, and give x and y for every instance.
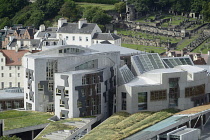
(71, 80)
(82, 34)
(155, 84)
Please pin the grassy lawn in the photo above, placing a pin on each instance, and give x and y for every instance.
(145, 48)
(18, 119)
(204, 48)
(56, 126)
(122, 124)
(148, 36)
(186, 42)
(105, 7)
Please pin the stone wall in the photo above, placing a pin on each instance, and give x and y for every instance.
(145, 42)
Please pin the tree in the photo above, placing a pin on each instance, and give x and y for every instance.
(196, 6)
(206, 11)
(4, 22)
(120, 7)
(70, 10)
(8, 8)
(53, 7)
(101, 18)
(96, 15)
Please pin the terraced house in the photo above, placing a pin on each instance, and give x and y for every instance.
(82, 34)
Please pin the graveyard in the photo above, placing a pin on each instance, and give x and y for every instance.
(165, 31)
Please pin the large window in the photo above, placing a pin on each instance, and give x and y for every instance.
(142, 101)
(123, 100)
(40, 87)
(195, 90)
(158, 95)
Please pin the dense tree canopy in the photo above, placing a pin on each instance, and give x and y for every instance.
(70, 10)
(96, 15)
(120, 7)
(8, 8)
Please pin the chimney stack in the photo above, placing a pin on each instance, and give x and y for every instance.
(81, 22)
(61, 21)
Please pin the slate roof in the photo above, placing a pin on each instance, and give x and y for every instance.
(50, 34)
(34, 42)
(105, 36)
(87, 28)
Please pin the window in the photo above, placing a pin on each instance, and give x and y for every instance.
(10, 67)
(80, 38)
(79, 104)
(83, 80)
(17, 104)
(10, 74)
(97, 42)
(2, 68)
(62, 103)
(94, 79)
(8, 104)
(26, 74)
(73, 38)
(2, 74)
(18, 74)
(83, 92)
(195, 90)
(123, 94)
(2, 85)
(66, 92)
(50, 86)
(158, 95)
(2, 59)
(142, 101)
(18, 84)
(62, 115)
(86, 38)
(67, 37)
(26, 95)
(60, 51)
(91, 91)
(40, 87)
(98, 88)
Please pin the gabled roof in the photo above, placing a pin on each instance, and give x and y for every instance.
(14, 58)
(31, 32)
(105, 36)
(87, 28)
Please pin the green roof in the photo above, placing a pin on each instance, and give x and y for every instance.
(122, 124)
(18, 119)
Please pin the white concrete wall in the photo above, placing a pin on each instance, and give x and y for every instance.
(183, 102)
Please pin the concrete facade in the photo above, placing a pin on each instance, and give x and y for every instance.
(181, 87)
(49, 73)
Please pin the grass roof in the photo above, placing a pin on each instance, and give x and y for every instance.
(57, 126)
(18, 119)
(122, 124)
